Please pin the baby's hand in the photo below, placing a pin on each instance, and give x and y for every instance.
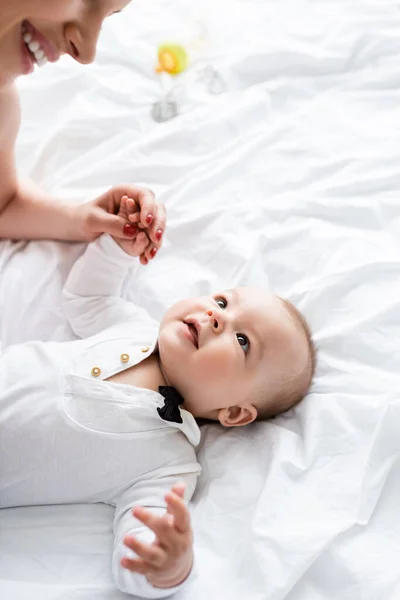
(146, 231)
(168, 560)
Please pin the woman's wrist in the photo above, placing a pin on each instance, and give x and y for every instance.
(73, 224)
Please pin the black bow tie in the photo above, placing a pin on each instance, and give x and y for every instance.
(172, 399)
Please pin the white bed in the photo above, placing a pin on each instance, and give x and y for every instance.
(290, 178)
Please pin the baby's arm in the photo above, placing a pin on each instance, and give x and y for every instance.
(92, 292)
(153, 550)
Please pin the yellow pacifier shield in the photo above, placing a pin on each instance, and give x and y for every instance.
(172, 59)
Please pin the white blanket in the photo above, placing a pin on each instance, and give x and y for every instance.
(289, 178)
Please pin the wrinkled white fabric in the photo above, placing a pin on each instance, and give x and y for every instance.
(290, 179)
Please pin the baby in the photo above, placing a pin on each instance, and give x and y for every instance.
(112, 417)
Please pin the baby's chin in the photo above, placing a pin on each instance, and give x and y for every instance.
(169, 349)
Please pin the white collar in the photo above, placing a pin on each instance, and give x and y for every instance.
(188, 426)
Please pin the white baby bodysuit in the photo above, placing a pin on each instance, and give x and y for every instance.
(68, 436)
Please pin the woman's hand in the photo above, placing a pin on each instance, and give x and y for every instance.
(102, 215)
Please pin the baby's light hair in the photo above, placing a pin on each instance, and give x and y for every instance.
(292, 391)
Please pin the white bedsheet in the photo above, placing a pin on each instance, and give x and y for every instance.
(291, 178)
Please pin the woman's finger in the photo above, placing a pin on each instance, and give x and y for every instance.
(157, 228)
(145, 257)
(150, 252)
(102, 222)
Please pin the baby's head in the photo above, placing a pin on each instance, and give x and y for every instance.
(237, 356)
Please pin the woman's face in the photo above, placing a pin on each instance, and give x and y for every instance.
(33, 32)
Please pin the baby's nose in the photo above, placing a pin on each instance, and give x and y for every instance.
(215, 320)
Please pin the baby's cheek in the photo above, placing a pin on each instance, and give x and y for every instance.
(219, 365)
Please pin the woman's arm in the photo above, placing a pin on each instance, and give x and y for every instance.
(26, 212)
(32, 214)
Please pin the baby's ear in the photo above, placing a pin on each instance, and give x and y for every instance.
(235, 416)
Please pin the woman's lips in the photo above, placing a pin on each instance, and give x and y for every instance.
(50, 51)
(26, 57)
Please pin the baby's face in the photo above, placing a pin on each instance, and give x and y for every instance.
(220, 350)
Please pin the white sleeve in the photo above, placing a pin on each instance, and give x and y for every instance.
(150, 494)
(92, 293)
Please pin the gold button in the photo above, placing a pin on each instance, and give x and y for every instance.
(124, 358)
(145, 349)
(96, 371)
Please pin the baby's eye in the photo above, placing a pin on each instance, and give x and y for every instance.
(222, 303)
(243, 341)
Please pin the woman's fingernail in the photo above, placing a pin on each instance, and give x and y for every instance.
(153, 252)
(159, 234)
(130, 230)
(149, 218)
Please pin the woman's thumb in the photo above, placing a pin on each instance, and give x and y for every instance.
(114, 225)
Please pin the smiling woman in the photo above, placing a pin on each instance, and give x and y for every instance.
(70, 26)
(32, 33)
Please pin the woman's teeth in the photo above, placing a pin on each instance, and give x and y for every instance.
(36, 49)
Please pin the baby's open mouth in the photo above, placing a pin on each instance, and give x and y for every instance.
(194, 334)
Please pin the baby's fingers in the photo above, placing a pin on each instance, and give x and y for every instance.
(179, 489)
(134, 564)
(134, 217)
(123, 206)
(130, 206)
(140, 244)
(161, 526)
(176, 506)
(153, 555)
